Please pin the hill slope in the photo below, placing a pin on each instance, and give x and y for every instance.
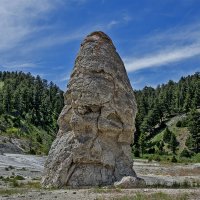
(29, 108)
(168, 121)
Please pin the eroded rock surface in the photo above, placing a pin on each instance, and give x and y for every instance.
(96, 125)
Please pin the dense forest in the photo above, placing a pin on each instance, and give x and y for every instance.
(167, 122)
(156, 107)
(29, 108)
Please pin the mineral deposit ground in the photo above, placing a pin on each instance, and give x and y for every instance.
(30, 168)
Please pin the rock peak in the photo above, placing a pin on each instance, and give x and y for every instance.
(97, 36)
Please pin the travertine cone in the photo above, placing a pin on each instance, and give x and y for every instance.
(97, 123)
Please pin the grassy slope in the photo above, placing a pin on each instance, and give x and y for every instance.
(30, 138)
(1, 84)
(181, 133)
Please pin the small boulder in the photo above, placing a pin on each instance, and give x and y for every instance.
(130, 182)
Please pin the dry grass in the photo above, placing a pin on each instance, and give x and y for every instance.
(11, 191)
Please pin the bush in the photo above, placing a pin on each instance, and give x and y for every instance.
(18, 177)
(174, 160)
(185, 153)
(15, 183)
(157, 158)
(151, 151)
(179, 124)
(196, 158)
(32, 152)
(154, 157)
(184, 122)
(136, 153)
(150, 159)
(167, 135)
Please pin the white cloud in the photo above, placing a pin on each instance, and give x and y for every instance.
(112, 23)
(162, 58)
(25, 26)
(18, 19)
(167, 47)
(65, 78)
(22, 21)
(19, 66)
(121, 20)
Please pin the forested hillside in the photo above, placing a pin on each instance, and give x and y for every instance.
(168, 120)
(29, 109)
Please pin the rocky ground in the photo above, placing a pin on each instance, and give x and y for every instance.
(170, 174)
(14, 167)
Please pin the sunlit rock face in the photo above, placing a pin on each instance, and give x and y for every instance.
(96, 125)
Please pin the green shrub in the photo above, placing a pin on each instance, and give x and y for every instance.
(185, 153)
(136, 153)
(167, 135)
(157, 158)
(174, 160)
(15, 183)
(32, 152)
(179, 124)
(196, 158)
(150, 158)
(184, 122)
(154, 157)
(151, 151)
(18, 177)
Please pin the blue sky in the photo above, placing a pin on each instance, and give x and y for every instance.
(158, 40)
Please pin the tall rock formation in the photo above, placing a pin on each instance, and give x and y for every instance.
(96, 125)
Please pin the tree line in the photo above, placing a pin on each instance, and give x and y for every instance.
(30, 98)
(157, 105)
(35, 101)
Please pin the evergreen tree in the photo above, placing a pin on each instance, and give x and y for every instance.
(194, 128)
(167, 135)
(143, 142)
(155, 106)
(173, 143)
(30, 98)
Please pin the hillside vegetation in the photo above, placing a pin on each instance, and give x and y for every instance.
(29, 108)
(168, 121)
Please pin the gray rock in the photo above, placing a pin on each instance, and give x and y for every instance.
(97, 123)
(8, 145)
(130, 182)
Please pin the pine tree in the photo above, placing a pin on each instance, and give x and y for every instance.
(143, 142)
(167, 135)
(30, 98)
(173, 143)
(194, 128)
